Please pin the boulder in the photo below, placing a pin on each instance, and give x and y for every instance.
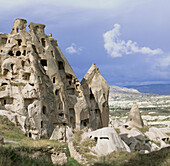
(156, 134)
(107, 141)
(59, 158)
(135, 139)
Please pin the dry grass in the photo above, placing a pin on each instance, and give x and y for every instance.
(157, 158)
(10, 132)
(84, 147)
(17, 84)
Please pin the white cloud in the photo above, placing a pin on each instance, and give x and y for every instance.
(164, 61)
(73, 49)
(116, 47)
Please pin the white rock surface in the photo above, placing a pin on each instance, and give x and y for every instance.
(107, 141)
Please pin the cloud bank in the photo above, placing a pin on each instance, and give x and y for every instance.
(116, 47)
(73, 49)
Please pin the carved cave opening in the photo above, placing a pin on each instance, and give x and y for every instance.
(10, 53)
(43, 62)
(91, 95)
(53, 80)
(43, 42)
(60, 65)
(18, 53)
(44, 109)
(4, 40)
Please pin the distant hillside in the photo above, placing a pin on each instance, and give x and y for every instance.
(117, 89)
(161, 89)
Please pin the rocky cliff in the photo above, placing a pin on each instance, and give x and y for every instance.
(38, 88)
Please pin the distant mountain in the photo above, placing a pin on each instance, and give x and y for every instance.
(116, 89)
(161, 89)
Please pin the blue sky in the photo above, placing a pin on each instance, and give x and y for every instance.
(129, 40)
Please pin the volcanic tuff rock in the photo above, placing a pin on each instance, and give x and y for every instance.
(38, 88)
(97, 88)
(135, 118)
(107, 141)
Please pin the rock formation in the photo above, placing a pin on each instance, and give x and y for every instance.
(97, 88)
(157, 134)
(38, 88)
(107, 141)
(134, 118)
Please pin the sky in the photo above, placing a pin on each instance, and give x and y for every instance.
(129, 40)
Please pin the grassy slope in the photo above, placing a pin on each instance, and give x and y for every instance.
(11, 154)
(157, 158)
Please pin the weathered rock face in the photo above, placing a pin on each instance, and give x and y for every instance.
(107, 141)
(157, 134)
(96, 91)
(135, 139)
(135, 118)
(39, 89)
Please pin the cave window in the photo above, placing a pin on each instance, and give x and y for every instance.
(22, 63)
(26, 76)
(5, 72)
(44, 62)
(1, 50)
(44, 109)
(17, 30)
(52, 53)
(19, 42)
(24, 52)
(12, 66)
(4, 40)
(69, 82)
(10, 53)
(96, 138)
(41, 124)
(77, 86)
(85, 124)
(60, 65)
(53, 80)
(8, 41)
(104, 138)
(91, 94)
(56, 92)
(43, 42)
(4, 101)
(30, 135)
(96, 111)
(4, 84)
(18, 53)
(69, 76)
(61, 114)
